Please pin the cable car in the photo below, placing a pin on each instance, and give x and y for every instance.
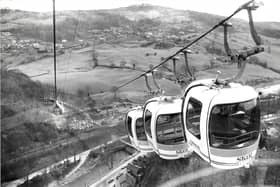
(135, 128)
(222, 122)
(163, 127)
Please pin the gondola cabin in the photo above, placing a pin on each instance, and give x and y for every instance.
(222, 122)
(135, 128)
(163, 127)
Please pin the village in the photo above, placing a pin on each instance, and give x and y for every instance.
(11, 43)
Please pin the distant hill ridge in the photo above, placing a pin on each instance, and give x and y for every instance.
(133, 12)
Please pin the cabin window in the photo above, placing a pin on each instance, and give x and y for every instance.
(148, 122)
(234, 125)
(140, 131)
(193, 117)
(128, 123)
(169, 129)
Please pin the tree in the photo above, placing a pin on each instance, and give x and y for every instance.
(114, 90)
(133, 66)
(94, 57)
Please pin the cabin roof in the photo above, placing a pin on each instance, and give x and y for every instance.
(136, 112)
(165, 105)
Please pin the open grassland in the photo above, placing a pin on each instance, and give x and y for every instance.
(77, 72)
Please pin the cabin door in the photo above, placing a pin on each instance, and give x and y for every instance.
(192, 118)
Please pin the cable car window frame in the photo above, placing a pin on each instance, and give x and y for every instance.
(249, 137)
(177, 128)
(137, 127)
(188, 123)
(148, 126)
(129, 125)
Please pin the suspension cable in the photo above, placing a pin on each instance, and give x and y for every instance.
(54, 52)
(188, 45)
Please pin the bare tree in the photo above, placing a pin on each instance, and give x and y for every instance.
(94, 57)
(133, 66)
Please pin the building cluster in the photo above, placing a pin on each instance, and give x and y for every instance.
(106, 115)
(10, 43)
(81, 124)
(128, 33)
(112, 34)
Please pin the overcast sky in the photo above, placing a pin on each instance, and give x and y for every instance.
(269, 12)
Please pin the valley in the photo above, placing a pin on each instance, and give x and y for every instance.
(97, 51)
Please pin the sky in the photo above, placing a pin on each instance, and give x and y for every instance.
(268, 12)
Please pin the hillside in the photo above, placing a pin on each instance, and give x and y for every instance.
(22, 125)
(21, 98)
(126, 36)
(134, 17)
(18, 89)
(34, 136)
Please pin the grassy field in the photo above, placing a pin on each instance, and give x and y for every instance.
(75, 70)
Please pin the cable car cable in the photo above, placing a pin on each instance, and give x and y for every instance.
(54, 52)
(257, 39)
(187, 69)
(245, 5)
(159, 90)
(226, 44)
(147, 83)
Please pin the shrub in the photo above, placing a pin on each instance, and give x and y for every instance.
(94, 58)
(133, 66)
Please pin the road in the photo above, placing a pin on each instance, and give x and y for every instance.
(271, 117)
(116, 171)
(82, 156)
